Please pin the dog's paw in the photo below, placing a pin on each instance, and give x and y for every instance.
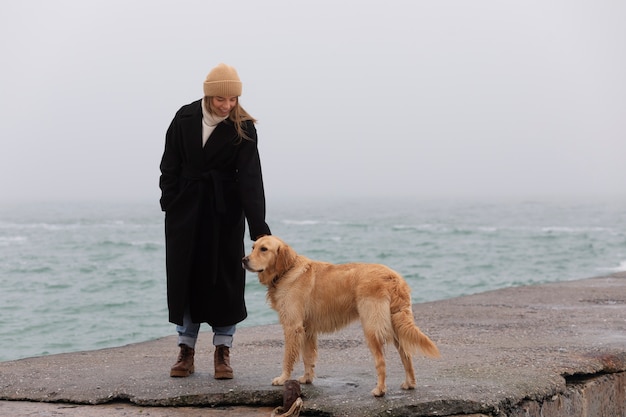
(378, 392)
(305, 379)
(408, 385)
(279, 380)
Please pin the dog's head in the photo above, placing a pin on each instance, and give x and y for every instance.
(270, 258)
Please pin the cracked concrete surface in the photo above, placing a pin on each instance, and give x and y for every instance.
(500, 350)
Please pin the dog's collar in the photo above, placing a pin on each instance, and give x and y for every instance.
(275, 281)
(279, 277)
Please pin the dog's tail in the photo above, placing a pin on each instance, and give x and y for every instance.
(410, 337)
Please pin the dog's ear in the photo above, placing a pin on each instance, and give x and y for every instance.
(285, 258)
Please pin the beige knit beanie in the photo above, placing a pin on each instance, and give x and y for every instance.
(222, 81)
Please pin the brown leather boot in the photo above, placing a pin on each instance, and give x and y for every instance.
(221, 360)
(184, 366)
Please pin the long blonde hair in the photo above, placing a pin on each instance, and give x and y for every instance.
(238, 115)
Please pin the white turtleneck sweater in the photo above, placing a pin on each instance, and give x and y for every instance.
(209, 121)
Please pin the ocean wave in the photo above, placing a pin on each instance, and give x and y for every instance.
(12, 240)
(561, 229)
(149, 245)
(620, 268)
(44, 226)
(468, 229)
(301, 222)
(61, 226)
(311, 222)
(143, 244)
(31, 270)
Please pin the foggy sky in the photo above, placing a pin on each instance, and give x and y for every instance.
(388, 98)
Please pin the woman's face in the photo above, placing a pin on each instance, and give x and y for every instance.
(223, 105)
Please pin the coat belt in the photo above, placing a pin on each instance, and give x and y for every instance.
(217, 178)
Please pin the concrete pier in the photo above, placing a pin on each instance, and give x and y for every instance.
(546, 350)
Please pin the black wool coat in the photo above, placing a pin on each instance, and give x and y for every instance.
(206, 194)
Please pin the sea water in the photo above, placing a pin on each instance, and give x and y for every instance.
(83, 276)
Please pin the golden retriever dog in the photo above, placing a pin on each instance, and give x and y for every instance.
(314, 297)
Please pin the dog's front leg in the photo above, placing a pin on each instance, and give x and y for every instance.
(294, 338)
(309, 357)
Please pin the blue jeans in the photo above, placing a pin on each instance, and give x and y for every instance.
(188, 333)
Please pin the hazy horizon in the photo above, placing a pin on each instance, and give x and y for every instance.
(433, 100)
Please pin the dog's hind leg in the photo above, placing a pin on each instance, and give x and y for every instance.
(309, 357)
(376, 323)
(407, 362)
(377, 348)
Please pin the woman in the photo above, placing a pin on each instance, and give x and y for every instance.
(210, 180)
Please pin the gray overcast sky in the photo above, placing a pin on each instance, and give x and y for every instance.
(420, 98)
